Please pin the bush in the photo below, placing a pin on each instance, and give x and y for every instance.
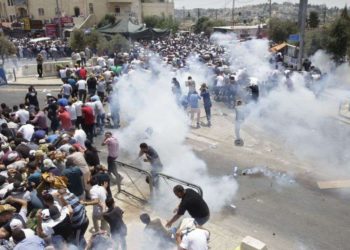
(161, 23)
(77, 41)
(204, 24)
(7, 48)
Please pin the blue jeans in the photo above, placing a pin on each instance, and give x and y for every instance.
(101, 121)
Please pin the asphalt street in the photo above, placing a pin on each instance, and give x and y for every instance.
(281, 210)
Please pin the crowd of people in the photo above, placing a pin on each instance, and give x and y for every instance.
(50, 168)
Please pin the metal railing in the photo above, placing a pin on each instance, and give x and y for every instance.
(134, 174)
(185, 183)
(134, 181)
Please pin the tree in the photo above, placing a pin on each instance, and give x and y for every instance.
(118, 43)
(279, 30)
(107, 19)
(339, 37)
(161, 23)
(7, 48)
(77, 41)
(314, 19)
(204, 24)
(92, 39)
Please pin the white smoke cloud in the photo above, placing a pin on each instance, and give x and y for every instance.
(147, 103)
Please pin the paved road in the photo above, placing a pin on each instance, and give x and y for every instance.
(281, 212)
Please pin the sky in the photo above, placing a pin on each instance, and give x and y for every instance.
(189, 4)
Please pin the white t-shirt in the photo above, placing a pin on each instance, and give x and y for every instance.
(98, 192)
(110, 62)
(220, 81)
(63, 73)
(93, 106)
(99, 108)
(23, 116)
(80, 136)
(81, 84)
(195, 240)
(50, 224)
(72, 111)
(101, 62)
(67, 89)
(27, 130)
(77, 106)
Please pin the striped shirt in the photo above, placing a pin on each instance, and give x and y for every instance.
(79, 212)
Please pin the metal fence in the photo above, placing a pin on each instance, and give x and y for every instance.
(137, 183)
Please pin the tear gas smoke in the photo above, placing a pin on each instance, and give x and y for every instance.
(146, 101)
(304, 120)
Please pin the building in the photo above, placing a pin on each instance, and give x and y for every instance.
(244, 32)
(163, 8)
(47, 10)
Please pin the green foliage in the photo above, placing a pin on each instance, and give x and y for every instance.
(92, 39)
(339, 39)
(316, 39)
(77, 40)
(161, 23)
(7, 48)
(204, 24)
(102, 46)
(118, 43)
(345, 14)
(115, 43)
(314, 19)
(107, 19)
(280, 30)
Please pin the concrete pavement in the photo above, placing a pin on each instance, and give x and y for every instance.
(34, 80)
(283, 213)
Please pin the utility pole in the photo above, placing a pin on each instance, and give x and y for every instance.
(184, 13)
(198, 13)
(303, 16)
(270, 9)
(58, 14)
(233, 13)
(324, 15)
(216, 14)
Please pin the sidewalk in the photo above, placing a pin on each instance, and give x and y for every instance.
(34, 80)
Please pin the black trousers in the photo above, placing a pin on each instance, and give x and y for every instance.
(40, 70)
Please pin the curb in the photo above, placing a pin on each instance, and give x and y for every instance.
(37, 84)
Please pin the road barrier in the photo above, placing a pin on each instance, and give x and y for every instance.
(138, 182)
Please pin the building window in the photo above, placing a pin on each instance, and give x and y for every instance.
(117, 10)
(91, 8)
(10, 2)
(76, 11)
(41, 12)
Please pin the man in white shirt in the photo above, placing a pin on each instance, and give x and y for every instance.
(77, 105)
(98, 194)
(191, 237)
(63, 74)
(27, 131)
(101, 62)
(82, 90)
(22, 114)
(72, 112)
(100, 113)
(66, 90)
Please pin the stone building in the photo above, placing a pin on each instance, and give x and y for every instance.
(46, 10)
